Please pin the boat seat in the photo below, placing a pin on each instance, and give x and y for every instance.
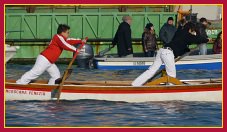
(164, 79)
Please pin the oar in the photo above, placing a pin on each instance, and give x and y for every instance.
(65, 75)
(177, 59)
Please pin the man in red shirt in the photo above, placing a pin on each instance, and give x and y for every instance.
(46, 59)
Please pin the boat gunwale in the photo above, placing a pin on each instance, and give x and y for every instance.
(101, 88)
(151, 59)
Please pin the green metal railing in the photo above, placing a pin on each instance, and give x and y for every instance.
(38, 28)
(94, 25)
(87, 8)
(35, 30)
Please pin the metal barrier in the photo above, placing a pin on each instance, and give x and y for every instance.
(95, 25)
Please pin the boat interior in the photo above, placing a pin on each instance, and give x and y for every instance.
(159, 81)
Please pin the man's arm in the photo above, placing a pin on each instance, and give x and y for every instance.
(162, 34)
(144, 42)
(65, 45)
(197, 39)
(73, 41)
(128, 38)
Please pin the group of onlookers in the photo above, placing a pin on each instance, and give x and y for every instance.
(123, 38)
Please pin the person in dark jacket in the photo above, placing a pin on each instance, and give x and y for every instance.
(177, 47)
(217, 47)
(184, 38)
(167, 31)
(123, 38)
(201, 30)
(149, 40)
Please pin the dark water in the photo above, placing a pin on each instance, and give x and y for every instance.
(106, 113)
(94, 113)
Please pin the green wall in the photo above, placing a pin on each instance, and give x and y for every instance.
(95, 25)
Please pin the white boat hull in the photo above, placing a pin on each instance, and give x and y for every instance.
(211, 96)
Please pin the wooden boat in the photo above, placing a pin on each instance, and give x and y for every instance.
(204, 62)
(186, 90)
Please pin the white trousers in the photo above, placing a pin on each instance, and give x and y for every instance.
(163, 56)
(41, 65)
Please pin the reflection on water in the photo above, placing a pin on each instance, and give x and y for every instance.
(107, 113)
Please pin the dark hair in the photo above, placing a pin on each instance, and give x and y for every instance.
(203, 20)
(170, 18)
(62, 28)
(149, 25)
(188, 26)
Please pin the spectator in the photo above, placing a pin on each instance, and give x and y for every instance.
(149, 41)
(201, 30)
(167, 31)
(217, 48)
(123, 38)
